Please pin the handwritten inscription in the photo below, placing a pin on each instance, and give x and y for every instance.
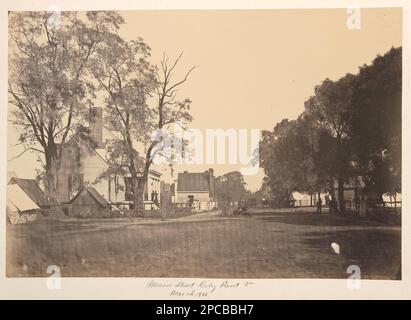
(200, 289)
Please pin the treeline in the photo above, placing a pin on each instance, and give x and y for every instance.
(350, 127)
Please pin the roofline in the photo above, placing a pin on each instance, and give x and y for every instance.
(110, 132)
(155, 172)
(191, 191)
(32, 199)
(28, 179)
(85, 187)
(98, 155)
(72, 199)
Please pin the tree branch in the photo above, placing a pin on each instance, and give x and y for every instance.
(27, 149)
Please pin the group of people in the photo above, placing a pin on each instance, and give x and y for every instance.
(332, 204)
(361, 204)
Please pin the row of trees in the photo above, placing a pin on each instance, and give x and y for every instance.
(349, 127)
(58, 69)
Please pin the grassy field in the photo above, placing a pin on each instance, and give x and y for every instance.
(265, 245)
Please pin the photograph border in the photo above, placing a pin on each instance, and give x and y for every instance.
(137, 288)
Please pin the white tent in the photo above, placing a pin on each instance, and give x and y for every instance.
(19, 205)
(304, 199)
(18, 199)
(392, 200)
(301, 199)
(300, 196)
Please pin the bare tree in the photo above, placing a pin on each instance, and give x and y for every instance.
(169, 110)
(124, 73)
(130, 81)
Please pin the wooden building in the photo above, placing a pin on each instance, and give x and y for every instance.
(89, 203)
(84, 164)
(196, 189)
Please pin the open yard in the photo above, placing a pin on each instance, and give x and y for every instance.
(265, 245)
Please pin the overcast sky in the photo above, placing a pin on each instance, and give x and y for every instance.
(255, 68)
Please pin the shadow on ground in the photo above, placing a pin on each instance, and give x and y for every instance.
(314, 219)
(371, 250)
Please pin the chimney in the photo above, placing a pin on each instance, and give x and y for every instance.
(96, 126)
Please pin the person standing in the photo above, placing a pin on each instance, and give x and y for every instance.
(357, 202)
(319, 204)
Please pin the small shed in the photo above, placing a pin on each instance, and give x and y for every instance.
(89, 203)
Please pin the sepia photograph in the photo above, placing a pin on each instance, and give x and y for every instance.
(215, 144)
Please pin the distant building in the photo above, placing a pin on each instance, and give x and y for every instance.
(84, 163)
(355, 193)
(354, 190)
(304, 199)
(196, 188)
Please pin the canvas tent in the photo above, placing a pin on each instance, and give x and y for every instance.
(20, 207)
(33, 190)
(392, 199)
(305, 199)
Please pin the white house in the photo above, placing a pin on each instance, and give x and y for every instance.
(84, 165)
(196, 189)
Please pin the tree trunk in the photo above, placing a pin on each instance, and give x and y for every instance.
(51, 181)
(319, 204)
(395, 202)
(138, 195)
(341, 195)
(286, 199)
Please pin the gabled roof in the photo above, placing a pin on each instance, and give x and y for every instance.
(94, 194)
(32, 189)
(99, 198)
(193, 182)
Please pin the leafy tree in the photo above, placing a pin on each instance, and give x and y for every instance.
(279, 158)
(124, 73)
(290, 156)
(127, 77)
(351, 126)
(375, 129)
(331, 109)
(49, 84)
(313, 156)
(230, 187)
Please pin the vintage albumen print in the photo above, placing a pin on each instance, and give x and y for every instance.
(218, 144)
